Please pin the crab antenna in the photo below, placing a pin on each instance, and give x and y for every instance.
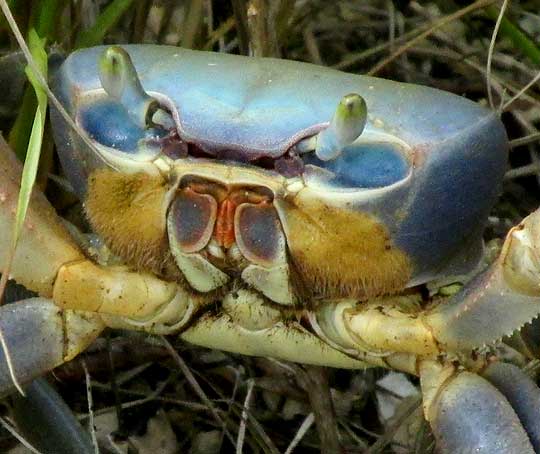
(346, 126)
(120, 80)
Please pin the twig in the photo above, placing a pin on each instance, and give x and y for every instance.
(311, 46)
(240, 16)
(192, 23)
(314, 380)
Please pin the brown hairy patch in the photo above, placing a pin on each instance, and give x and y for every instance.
(129, 213)
(339, 253)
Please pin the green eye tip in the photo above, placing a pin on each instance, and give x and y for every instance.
(352, 107)
(117, 73)
(114, 61)
(120, 81)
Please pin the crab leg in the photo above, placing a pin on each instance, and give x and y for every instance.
(496, 412)
(46, 421)
(522, 393)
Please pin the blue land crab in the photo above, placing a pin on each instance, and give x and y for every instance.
(305, 203)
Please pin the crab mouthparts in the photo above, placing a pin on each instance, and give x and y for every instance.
(206, 215)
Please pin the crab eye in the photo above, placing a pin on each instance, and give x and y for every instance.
(126, 119)
(108, 123)
(360, 166)
(344, 156)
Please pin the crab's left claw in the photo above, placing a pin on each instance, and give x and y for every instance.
(499, 301)
(36, 335)
(79, 297)
(498, 411)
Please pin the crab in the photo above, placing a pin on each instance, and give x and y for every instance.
(276, 208)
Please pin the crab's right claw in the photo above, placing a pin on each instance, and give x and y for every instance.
(496, 412)
(36, 335)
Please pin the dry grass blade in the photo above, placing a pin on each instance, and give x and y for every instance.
(90, 401)
(9, 362)
(196, 387)
(304, 427)
(438, 24)
(490, 52)
(21, 439)
(385, 439)
(219, 33)
(520, 93)
(267, 444)
(523, 171)
(244, 418)
(531, 138)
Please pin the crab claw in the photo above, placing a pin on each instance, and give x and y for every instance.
(36, 336)
(499, 301)
(496, 412)
(120, 80)
(346, 126)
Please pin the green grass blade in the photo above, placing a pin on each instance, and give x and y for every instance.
(36, 136)
(518, 37)
(37, 50)
(44, 18)
(105, 21)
